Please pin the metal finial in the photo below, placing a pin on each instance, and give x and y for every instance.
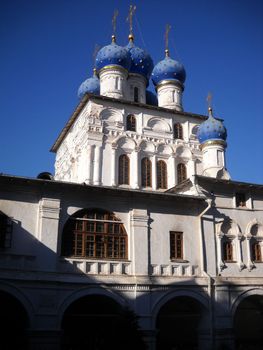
(129, 18)
(114, 18)
(167, 30)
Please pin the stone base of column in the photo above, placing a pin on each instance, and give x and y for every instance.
(149, 338)
(44, 340)
(224, 339)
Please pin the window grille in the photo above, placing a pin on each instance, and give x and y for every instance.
(178, 131)
(131, 123)
(228, 250)
(94, 234)
(124, 170)
(146, 169)
(181, 173)
(176, 245)
(161, 175)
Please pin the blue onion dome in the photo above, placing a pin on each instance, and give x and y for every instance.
(141, 61)
(211, 130)
(113, 55)
(151, 98)
(168, 69)
(90, 85)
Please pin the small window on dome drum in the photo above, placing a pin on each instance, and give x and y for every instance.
(131, 122)
(240, 199)
(136, 94)
(178, 131)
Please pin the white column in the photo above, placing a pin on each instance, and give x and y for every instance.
(113, 166)
(172, 170)
(97, 165)
(239, 253)
(154, 173)
(221, 263)
(134, 169)
(250, 264)
(191, 168)
(86, 160)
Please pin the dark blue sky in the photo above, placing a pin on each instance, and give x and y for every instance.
(46, 52)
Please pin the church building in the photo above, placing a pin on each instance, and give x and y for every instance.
(141, 239)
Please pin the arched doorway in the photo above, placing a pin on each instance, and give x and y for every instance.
(14, 323)
(97, 322)
(178, 324)
(248, 323)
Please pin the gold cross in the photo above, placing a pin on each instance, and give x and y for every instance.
(209, 100)
(115, 14)
(130, 15)
(167, 30)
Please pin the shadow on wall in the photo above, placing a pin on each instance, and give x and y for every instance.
(42, 291)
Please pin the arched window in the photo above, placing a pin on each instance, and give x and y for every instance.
(131, 122)
(146, 169)
(255, 241)
(136, 94)
(256, 252)
(227, 250)
(161, 174)
(178, 131)
(94, 234)
(181, 173)
(124, 170)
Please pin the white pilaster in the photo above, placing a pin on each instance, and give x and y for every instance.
(134, 169)
(113, 166)
(154, 173)
(171, 172)
(97, 165)
(191, 168)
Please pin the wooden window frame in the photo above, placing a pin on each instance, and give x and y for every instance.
(178, 131)
(131, 123)
(181, 173)
(228, 251)
(95, 235)
(161, 174)
(124, 170)
(176, 245)
(146, 172)
(256, 252)
(240, 200)
(6, 228)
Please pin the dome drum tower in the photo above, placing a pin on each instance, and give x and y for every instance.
(212, 137)
(168, 76)
(112, 64)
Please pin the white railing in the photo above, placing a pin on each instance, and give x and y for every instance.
(95, 267)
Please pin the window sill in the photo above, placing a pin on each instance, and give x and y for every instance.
(85, 258)
(230, 261)
(180, 260)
